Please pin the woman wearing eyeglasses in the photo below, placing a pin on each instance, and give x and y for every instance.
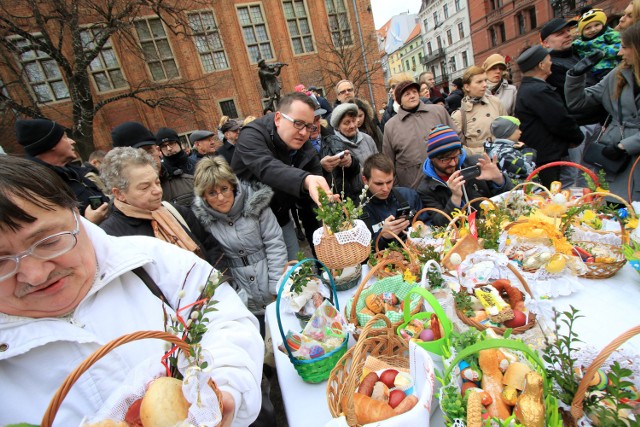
(132, 176)
(238, 214)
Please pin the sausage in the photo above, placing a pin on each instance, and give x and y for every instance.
(406, 405)
(366, 386)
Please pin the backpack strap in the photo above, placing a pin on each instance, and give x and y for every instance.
(176, 214)
(150, 283)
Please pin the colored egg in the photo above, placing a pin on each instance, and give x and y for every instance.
(426, 335)
(519, 319)
(294, 342)
(556, 264)
(316, 351)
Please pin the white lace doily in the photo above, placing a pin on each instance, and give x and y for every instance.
(583, 234)
(358, 234)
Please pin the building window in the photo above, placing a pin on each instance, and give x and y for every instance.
(461, 30)
(495, 4)
(408, 68)
(157, 52)
(452, 64)
(492, 37)
(228, 108)
(295, 13)
(426, 24)
(42, 72)
(458, 7)
(413, 63)
(338, 22)
(465, 60)
(449, 37)
(497, 34)
(502, 32)
(420, 57)
(439, 42)
(520, 23)
(443, 69)
(105, 68)
(533, 22)
(208, 41)
(429, 48)
(445, 11)
(436, 22)
(254, 31)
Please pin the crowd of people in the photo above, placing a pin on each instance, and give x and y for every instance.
(240, 199)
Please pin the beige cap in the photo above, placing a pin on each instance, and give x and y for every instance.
(493, 60)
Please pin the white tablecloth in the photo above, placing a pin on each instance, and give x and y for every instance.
(610, 307)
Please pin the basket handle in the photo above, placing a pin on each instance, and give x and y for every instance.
(523, 185)
(624, 235)
(433, 302)
(65, 387)
(395, 236)
(444, 214)
(588, 171)
(495, 343)
(352, 315)
(477, 199)
(334, 296)
(578, 398)
(522, 280)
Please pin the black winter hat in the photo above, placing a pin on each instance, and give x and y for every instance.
(132, 134)
(38, 135)
(166, 134)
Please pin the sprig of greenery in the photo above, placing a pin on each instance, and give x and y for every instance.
(463, 302)
(302, 275)
(339, 216)
(608, 406)
(434, 277)
(604, 185)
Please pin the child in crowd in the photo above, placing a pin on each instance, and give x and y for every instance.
(596, 35)
(516, 160)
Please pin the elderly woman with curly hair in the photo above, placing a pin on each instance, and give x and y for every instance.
(132, 177)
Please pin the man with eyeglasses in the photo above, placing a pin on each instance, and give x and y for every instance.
(275, 150)
(444, 187)
(67, 288)
(47, 143)
(344, 91)
(173, 156)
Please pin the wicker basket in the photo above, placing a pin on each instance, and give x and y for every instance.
(350, 281)
(577, 410)
(382, 343)
(420, 241)
(532, 317)
(587, 198)
(303, 318)
(63, 390)
(389, 284)
(413, 264)
(478, 199)
(524, 185)
(588, 171)
(553, 418)
(318, 369)
(336, 255)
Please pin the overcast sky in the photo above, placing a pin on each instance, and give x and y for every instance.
(383, 10)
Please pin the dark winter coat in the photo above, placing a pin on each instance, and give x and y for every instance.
(435, 193)
(180, 161)
(545, 122)
(226, 150)
(177, 186)
(118, 224)
(262, 156)
(454, 100)
(251, 240)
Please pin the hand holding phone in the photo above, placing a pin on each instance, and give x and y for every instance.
(340, 154)
(95, 202)
(403, 212)
(470, 172)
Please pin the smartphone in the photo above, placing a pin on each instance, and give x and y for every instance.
(403, 212)
(470, 172)
(340, 154)
(95, 202)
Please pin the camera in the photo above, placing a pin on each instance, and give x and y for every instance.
(470, 172)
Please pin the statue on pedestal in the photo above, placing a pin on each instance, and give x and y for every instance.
(268, 74)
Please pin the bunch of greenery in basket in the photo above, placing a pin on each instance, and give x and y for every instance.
(339, 215)
(560, 356)
(300, 278)
(190, 326)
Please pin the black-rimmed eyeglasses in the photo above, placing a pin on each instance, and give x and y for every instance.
(300, 124)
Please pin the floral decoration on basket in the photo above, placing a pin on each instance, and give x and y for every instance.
(498, 379)
(420, 235)
(632, 253)
(605, 396)
(343, 240)
(304, 290)
(402, 259)
(323, 342)
(385, 296)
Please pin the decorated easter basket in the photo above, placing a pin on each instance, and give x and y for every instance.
(577, 410)
(318, 369)
(601, 235)
(501, 330)
(344, 248)
(348, 279)
(380, 342)
(584, 169)
(428, 240)
(63, 390)
(435, 346)
(632, 253)
(452, 383)
(394, 284)
(396, 259)
(289, 267)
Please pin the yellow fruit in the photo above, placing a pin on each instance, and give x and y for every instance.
(556, 264)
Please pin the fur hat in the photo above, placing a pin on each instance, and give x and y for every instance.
(594, 15)
(38, 135)
(402, 88)
(442, 139)
(340, 111)
(132, 134)
(504, 126)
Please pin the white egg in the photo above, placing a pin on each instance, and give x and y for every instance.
(559, 199)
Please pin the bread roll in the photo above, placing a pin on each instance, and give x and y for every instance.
(164, 405)
(369, 410)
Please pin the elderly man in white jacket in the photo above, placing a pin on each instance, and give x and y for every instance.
(67, 288)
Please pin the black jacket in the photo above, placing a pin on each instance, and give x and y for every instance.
(180, 161)
(454, 100)
(261, 155)
(74, 177)
(117, 224)
(436, 194)
(226, 150)
(177, 186)
(546, 124)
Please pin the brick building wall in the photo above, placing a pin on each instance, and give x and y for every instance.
(506, 16)
(239, 82)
